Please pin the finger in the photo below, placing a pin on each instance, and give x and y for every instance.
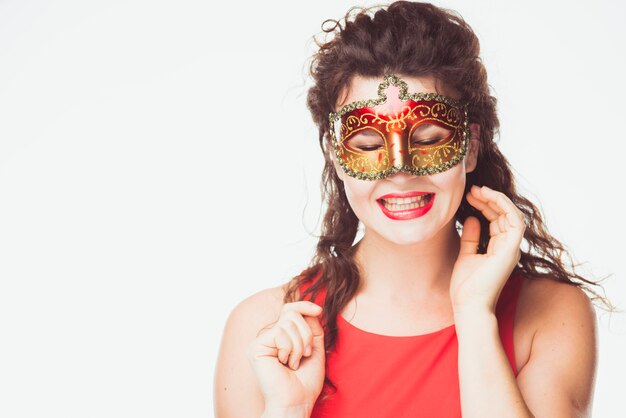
(503, 224)
(303, 307)
(494, 228)
(317, 331)
(513, 216)
(282, 342)
(297, 346)
(498, 201)
(470, 237)
(495, 207)
(503, 205)
(318, 335)
(482, 193)
(481, 205)
(489, 199)
(516, 219)
(306, 334)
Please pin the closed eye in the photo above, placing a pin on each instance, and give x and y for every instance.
(369, 147)
(429, 134)
(365, 140)
(428, 141)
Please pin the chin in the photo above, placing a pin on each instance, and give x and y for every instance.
(408, 236)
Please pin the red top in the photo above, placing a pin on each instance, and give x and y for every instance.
(402, 376)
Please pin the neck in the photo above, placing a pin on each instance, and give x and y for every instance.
(420, 270)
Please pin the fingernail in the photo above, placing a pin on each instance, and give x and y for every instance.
(296, 364)
(307, 350)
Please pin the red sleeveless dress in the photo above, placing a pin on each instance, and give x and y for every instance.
(402, 376)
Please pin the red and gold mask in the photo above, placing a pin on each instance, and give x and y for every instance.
(419, 133)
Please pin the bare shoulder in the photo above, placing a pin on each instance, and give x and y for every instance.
(269, 301)
(563, 348)
(255, 311)
(545, 301)
(234, 377)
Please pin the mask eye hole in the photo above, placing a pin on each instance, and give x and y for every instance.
(429, 134)
(365, 140)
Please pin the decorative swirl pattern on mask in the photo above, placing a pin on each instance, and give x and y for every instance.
(438, 111)
(436, 155)
(361, 163)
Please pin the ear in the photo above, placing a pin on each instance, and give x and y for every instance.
(471, 158)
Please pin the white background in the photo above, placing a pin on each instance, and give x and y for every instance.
(129, 229)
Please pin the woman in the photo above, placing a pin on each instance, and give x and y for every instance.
(437, 310)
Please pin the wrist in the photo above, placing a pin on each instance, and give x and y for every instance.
(295, 411)
(470, 321)
(476, 310)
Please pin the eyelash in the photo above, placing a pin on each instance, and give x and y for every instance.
(421, 142)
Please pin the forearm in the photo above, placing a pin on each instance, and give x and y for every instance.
(487, 383)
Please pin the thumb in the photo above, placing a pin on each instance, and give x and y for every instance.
(470, 237)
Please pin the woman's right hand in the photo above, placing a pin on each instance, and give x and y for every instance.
(288, 374)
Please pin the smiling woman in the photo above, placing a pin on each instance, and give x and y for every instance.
(437, 310)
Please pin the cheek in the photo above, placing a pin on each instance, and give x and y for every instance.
(452, 183)
(357, 192)
(451, 179)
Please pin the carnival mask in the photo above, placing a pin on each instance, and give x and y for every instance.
(419, 133)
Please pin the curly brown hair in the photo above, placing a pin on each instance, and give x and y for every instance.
(413, 39)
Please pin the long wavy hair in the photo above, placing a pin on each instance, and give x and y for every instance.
(413, 39)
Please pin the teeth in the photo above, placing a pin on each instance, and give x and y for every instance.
(406, 203)
(405, 200)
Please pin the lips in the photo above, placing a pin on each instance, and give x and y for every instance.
(407, 213)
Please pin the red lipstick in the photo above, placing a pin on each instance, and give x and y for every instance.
(406, 194)
(402, 215)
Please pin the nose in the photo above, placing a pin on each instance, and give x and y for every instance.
(401, 177)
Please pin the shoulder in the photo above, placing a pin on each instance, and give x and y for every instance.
(266, 302)
(264, 305)
(559, 375)
(553, 309)
(234, 377)
(548, 301)
(254, 312)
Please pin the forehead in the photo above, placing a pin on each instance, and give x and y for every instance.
(364, 88)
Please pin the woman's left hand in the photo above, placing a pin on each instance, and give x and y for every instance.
(478, 279)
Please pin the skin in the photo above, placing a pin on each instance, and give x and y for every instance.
(419, 276)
